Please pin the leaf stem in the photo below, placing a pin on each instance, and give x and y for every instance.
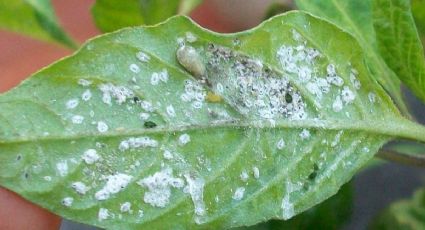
(402, 158)
(406, 129)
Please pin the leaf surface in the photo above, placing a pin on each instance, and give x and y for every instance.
(356, 18)
(174, 126)
(399, 42)
(35, 18)
(322, 216)
(418, 10)
(111, 15)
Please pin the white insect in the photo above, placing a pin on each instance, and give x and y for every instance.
(190, 59)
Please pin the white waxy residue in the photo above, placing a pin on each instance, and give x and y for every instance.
(84, 82)
(256, 172)
(125, 207)
(239, 193)
(170, 111)
(90, 156)
(72, 103)
(102, 127)
(137, 142)
(280, 144)
(143, 57)
(372, 97)
(103, 214)
(337, 104)
(114, 184)
(244, 176)
(347, 95)
(159, 187)
(119, 93)
(184, 139)
(77, 119)
(195, 187)
(62, 168)
(305, 134)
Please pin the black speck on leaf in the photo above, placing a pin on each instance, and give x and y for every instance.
(149, 124)
(288, 98)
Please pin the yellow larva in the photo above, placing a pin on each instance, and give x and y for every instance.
(190, 59)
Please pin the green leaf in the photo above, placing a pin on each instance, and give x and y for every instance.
(35, 18)
(355, 17)
(322, 216)
(418, 10)
(405, 214)
(195, 129)
(111, 15)
(399, 42)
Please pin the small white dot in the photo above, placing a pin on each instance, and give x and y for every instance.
(184, 139)
(86, 95)
(170, 111)
(77, 119)
(134, 68)
(142, 57)
(154, 78)
(256, 172)
(72, 104)
(126, 207)
(67, 201)
(102, 126)
(90, 156)
(280, 144)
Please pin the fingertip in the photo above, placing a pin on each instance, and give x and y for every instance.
(17, 213)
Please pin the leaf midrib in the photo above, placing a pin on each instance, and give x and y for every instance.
(391, 127)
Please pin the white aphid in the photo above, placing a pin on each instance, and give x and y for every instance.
(86, 95)
(79, 187)
(67, 201)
